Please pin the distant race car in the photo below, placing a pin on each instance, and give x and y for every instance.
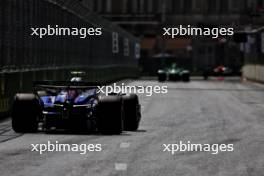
(217, 71)
(222, 71)
(74, 106)
(174, 73)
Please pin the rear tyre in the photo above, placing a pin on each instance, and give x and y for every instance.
(205, 75)
(186, 77)
(25, 112)
(109, 115)
(132, 114)
(162, 77)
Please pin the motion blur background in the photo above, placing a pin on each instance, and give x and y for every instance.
(146, 18)
(131, 42)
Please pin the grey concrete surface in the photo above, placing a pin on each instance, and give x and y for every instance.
(211, 112)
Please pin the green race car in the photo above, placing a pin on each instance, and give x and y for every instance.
(174, 73)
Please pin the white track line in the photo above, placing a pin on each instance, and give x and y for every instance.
(124, 145)
(120, 166)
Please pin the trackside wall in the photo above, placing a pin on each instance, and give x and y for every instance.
(24, 58)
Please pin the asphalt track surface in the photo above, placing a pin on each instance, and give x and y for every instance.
(200, 111)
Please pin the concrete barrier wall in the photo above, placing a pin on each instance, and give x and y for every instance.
(254, 57)
(21, 51)
(24, 58)
(254, 72)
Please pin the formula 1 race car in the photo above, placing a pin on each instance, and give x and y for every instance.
(218, 71)
(174, 73)
(74, 106)
(222, 71)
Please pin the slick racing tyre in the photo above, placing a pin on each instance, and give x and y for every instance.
(132, 114)
(25, 112)
(109, 115)
(186, 76)
(162, 76)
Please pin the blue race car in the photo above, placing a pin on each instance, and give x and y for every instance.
(76, 107)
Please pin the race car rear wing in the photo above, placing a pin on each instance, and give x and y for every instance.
(64, 85)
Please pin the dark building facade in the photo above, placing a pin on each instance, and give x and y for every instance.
(146, 18)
